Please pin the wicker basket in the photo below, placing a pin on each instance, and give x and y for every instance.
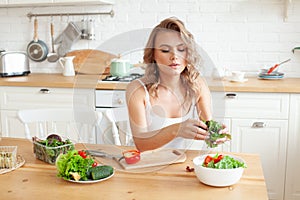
(49, 154)
(8, 157)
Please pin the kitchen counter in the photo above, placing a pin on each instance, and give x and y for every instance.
(38, 180)
(285, 85)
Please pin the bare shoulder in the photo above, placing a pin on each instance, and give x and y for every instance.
(201, 81)
(136, 89)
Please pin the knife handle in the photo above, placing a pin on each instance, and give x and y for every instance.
(272, 68)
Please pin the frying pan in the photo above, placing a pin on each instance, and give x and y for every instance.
(37, 50)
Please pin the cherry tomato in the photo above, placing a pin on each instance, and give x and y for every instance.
(131, 156)
(82, 154)
(94, 164)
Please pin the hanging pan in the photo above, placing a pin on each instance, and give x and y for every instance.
(37, 50)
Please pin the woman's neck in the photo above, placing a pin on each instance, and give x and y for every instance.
(173, 83)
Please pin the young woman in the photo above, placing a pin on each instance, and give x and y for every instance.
(166, 106)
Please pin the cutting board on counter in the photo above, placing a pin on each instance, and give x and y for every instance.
(91, 61)
(156, 158)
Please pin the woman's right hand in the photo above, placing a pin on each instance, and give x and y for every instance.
(193, 129)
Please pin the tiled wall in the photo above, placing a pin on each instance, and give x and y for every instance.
(236, 34)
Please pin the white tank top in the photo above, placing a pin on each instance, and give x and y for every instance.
(156, 122)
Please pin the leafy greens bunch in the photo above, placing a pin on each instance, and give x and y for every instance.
(215, 134)
(72, 162)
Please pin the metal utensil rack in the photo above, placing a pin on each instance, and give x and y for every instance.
(30, 15)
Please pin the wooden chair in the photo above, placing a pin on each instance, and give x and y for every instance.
(77, 125)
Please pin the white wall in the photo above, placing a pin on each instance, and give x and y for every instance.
(237, 34)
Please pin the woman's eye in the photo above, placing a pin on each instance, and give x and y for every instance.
(181, 49)
(165, 50)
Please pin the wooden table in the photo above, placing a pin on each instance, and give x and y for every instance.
(38, 180)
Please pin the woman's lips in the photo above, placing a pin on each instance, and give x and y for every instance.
(174, 65)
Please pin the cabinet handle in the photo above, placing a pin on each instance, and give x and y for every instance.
(258, 124)
(44, 91)
(231, 95)
(120, 101)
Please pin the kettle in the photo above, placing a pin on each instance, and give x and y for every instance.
(67, 65)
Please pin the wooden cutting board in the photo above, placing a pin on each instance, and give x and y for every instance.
(91, 61)
(156, 158)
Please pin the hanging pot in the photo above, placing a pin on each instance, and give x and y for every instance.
(37, 50)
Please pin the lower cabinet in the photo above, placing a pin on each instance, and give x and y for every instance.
(292, 186)
(13, 99)
(268, 138)
(259, 124)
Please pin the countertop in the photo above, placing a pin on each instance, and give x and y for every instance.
(285, 85)
(38, 180)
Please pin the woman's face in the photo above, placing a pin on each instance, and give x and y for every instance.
(170, 52)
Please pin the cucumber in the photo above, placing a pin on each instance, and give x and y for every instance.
(100, 172)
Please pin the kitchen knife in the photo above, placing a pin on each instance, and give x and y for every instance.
(98, 153)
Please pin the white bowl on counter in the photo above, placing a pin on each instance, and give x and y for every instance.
(217, 177)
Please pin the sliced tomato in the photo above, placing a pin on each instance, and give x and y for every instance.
(208, 159)
(220, 157)
(132, 156)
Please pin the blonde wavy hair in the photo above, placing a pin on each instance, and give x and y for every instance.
(189, 74)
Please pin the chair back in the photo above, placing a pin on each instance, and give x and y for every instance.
(77, 125)
(120, 127)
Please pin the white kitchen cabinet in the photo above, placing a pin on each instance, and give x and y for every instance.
(259, 124)
(13, 99)
(250, 105)
(292, 187)
(270, 142)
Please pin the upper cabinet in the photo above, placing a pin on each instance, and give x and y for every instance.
(34, 3)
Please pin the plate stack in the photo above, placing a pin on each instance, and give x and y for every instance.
(273, 75)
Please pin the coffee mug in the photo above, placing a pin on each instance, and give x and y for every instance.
(237, 75)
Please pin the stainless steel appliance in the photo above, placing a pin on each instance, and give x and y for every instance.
(14, 63)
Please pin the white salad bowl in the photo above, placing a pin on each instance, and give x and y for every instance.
(217, 177)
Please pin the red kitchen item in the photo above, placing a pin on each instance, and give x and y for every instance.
(275, 66)
(132, 156)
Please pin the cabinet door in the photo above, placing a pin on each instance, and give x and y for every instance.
(293, 163)
(267, 138)
(15, 98)
(250, 105)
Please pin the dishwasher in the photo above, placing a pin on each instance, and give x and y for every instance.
(114, 127)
